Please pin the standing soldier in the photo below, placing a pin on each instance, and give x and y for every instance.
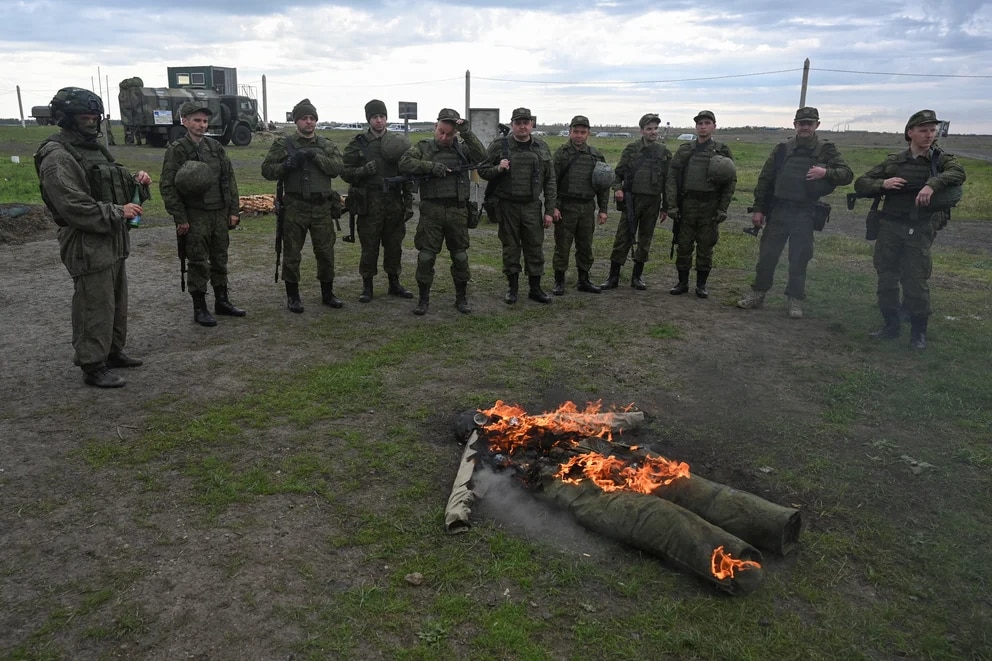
(700, 185)
(90, 197)
(382, 214)
(521, 168)
(577, 167)
(640, 191)
(305, 164)
(444, 203)
(920, 185)
(200, 192)
(796, 175)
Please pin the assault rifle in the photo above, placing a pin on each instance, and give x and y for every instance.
(181, 249)
(352, 217)
(280, 207)
(389, 182)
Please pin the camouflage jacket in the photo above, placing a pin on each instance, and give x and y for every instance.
(565, 159)
(97, 235)
(542, 178)
(676, 173)
(949, 173)
(637, 156)
(838, 172)
(176, 155)
(328, 158)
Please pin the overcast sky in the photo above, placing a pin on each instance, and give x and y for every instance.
(872, 63)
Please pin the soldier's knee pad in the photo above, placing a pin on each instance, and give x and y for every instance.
(460, 257)
(426, 257)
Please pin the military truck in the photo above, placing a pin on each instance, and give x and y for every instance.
(152, 113)
(42, 115)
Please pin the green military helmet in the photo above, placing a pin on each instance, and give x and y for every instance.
(945, 198)
(394, 145)
(722, 170)
(74, 101)
(602, 177)
(194, 178)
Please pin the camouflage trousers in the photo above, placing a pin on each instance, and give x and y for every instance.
(578, 224)
(206, 249)
(301, 217)
(902, 257)
(382, 225)
(792, 223)
(442, 222)
(521, 231)
(699, 230)
(99, 314)
(646, 211)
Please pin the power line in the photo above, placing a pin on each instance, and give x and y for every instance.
(377, 85)
(913, 75)
(633, 82)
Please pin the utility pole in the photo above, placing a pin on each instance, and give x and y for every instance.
(20, 107)
(265, 103)
(802, 94)
(468, 95)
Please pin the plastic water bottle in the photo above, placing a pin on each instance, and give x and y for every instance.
(136, 221)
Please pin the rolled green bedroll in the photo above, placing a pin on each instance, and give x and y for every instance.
(663, 529)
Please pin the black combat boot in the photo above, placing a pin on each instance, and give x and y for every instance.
(461, 297)
(701, 278)
(120, 360)
(559, 288)
(635, 278)
(536, 293)
(201, 314)
(682, 286)
(890, 328)
(425, 299)
(293, 301)
(223, 305)
(396, 289)
(327, 296)
(99, 375)
(366, 295)
(585, 285)
(918, 332)
(512, 281)
(613, 280)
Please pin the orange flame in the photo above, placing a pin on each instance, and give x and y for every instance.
(724, 565)
(512, 427)
(614, 474)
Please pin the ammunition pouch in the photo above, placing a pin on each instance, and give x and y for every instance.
(337, 206)
(821, 215)
(872, 221)
(357, 202)
(489, 206)
(474, 214)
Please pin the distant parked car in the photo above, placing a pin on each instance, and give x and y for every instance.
(349, 127)
(687, 136)
(538, 133)
(563, 133)
(612, 134)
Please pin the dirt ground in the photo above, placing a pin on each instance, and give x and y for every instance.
(62, 524)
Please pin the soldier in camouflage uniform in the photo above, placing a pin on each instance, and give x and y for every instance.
(914, 183)
(306, 163)
(444, 202)
(639, 190)
(204, 217)
(796, 175)
(700, 200)
(382, 215)
(521, 169)
(577, 204)
(90, 197)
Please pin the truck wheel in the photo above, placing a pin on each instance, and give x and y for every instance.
(241, 136)
(224, 139)
(176, 132)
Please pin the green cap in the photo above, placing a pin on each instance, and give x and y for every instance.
(579, 120)
(807, 114)
(647, 118)
(922, 117)
(705, 114)
(521, 113)
(191, 107)
(304, 108)
(448, 115)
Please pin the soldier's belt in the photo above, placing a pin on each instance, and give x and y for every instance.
(444, 201)
(699, 195)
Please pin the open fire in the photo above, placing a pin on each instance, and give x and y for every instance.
(576, 459)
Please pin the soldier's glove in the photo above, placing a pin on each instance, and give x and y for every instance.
(293, 162)
(309, 154)
(721, 216)
(407, 215)
(370, 168)
(439, 170)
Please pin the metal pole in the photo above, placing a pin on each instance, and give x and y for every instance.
(802, 94)
(468, 95)
(20, 107)
(265, 103)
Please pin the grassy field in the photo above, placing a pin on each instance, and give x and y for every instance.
(302, 487)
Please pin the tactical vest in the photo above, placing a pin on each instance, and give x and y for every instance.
(208, 151)
(108, 181)
(525, 180)
(372, 151)
(648, 171)
(577, 179)
(453, 186)
(792, 162)
(308, 179)
(696, 171)
(916, 172)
